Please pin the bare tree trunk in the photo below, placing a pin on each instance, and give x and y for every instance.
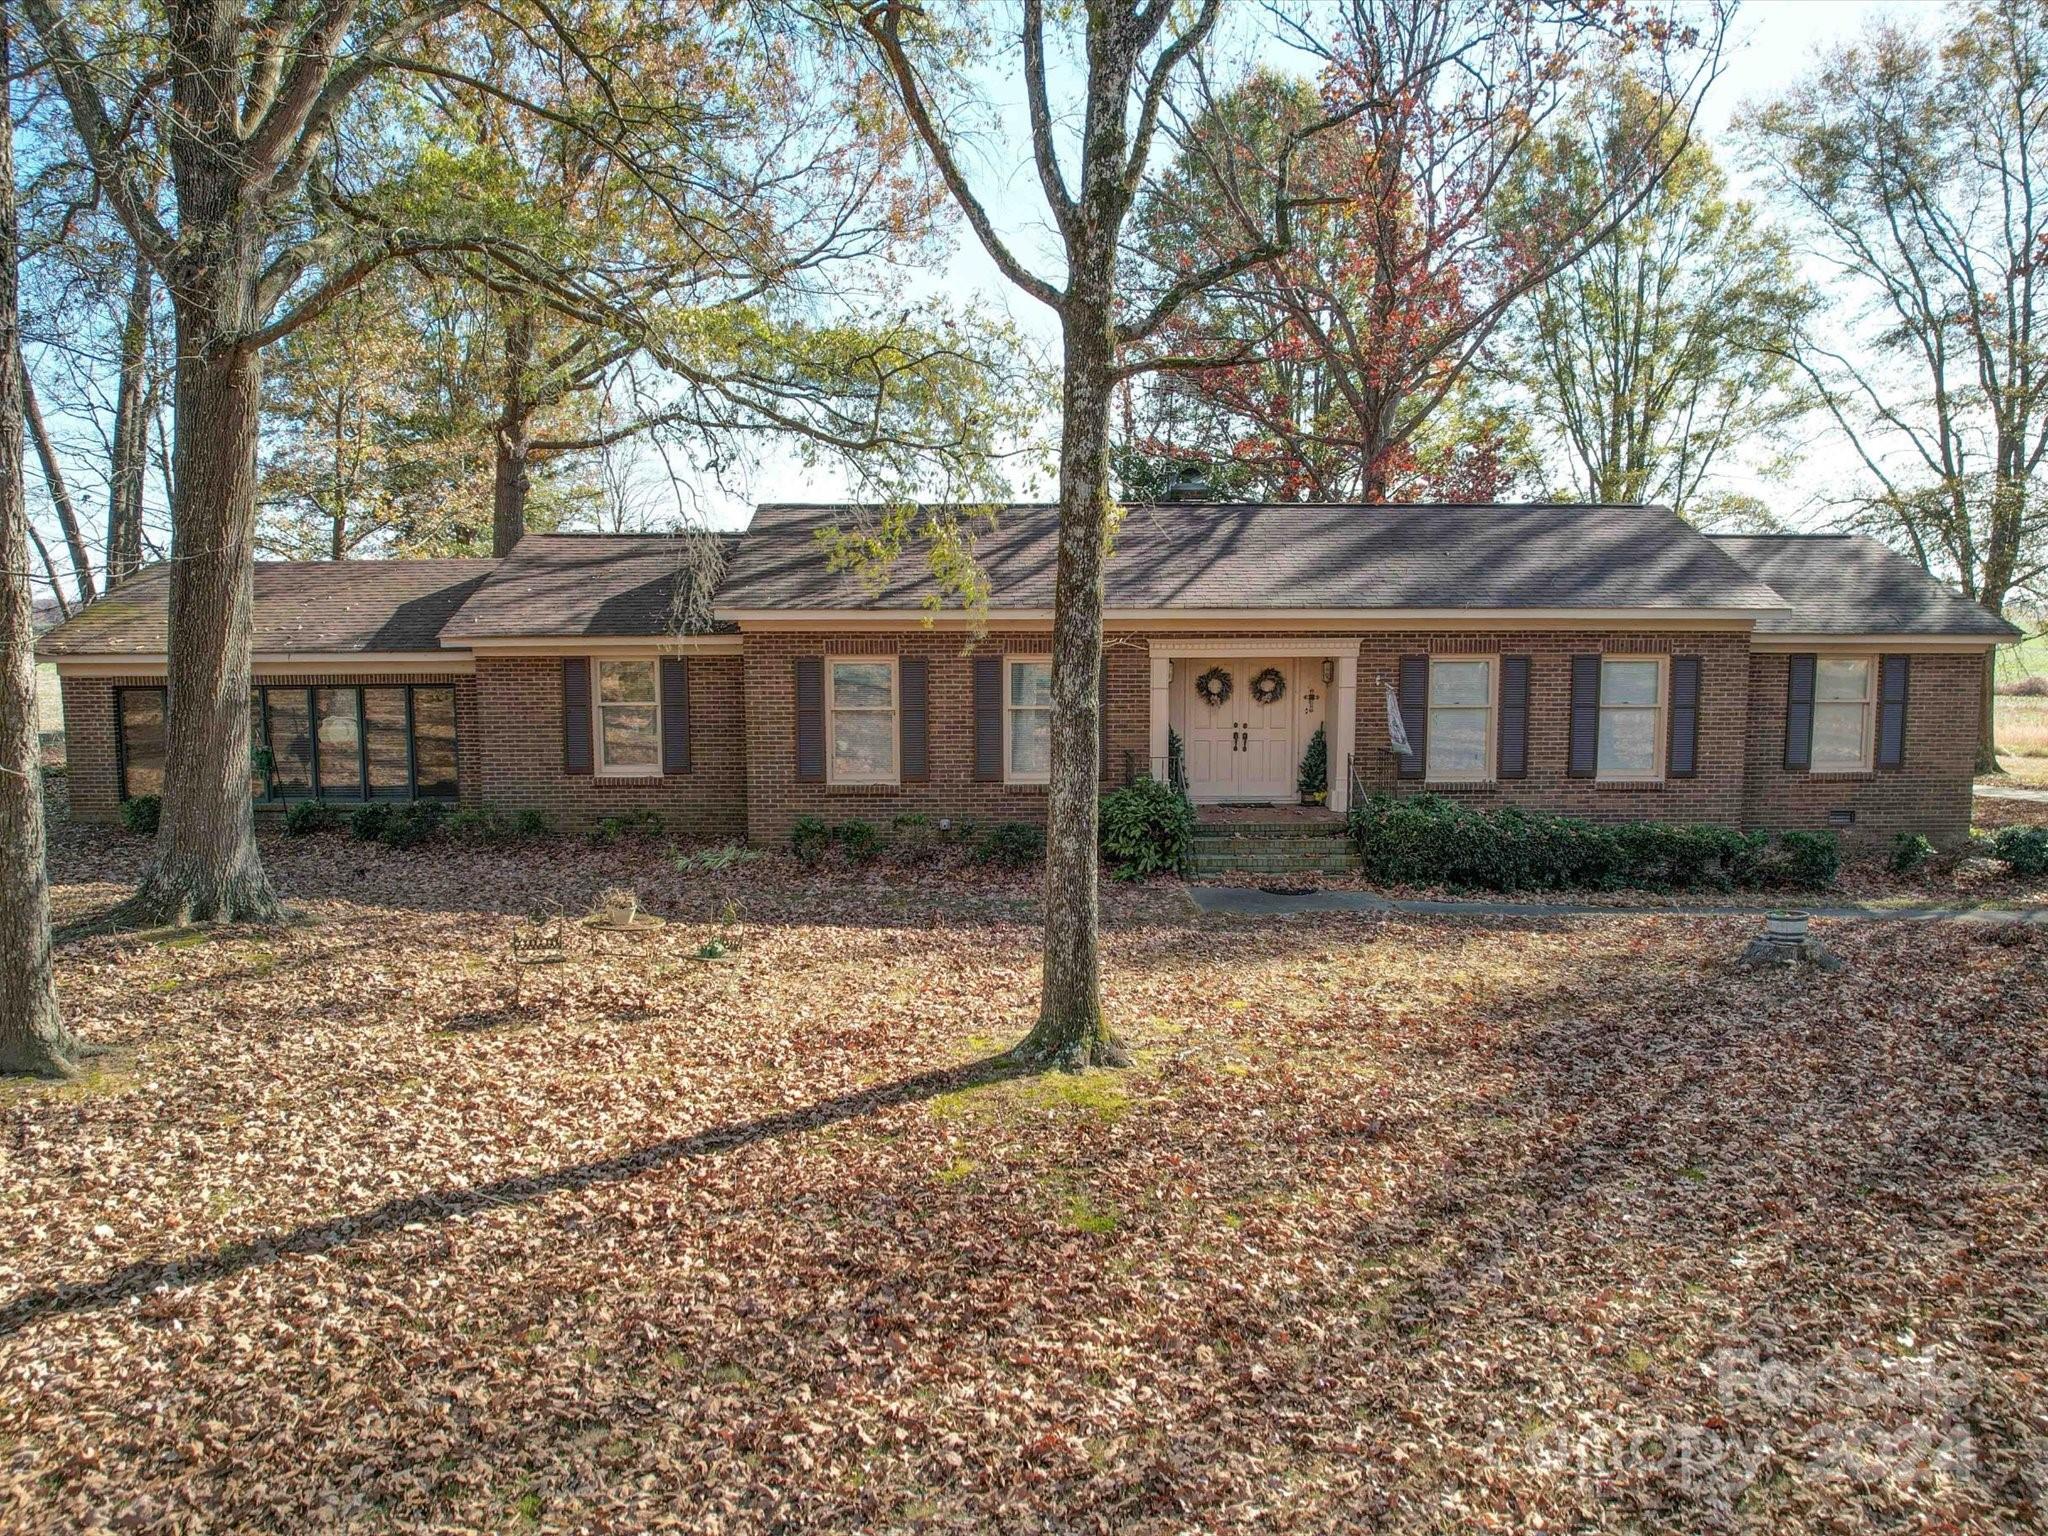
(131, 434)
(32, 1034)
(53, 477)
(206, 866)
(510, 478)
(1071, 1031)
(49, 569)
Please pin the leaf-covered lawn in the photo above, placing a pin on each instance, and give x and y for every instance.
(1409, 1225)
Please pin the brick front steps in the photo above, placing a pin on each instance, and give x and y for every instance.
(1291, 847)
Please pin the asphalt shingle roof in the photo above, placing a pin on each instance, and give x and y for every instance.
(307, 606)
(1200, 556)
(1174, 557)
(587, 584)
(1850, 584)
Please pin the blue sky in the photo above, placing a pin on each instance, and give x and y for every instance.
(1774, 42)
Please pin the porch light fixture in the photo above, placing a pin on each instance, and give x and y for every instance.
(1329, 670)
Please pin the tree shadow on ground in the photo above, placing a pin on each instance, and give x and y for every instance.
(327, 1235)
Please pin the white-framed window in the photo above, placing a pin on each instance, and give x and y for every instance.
(627, 715)
(1844, 710)
(1631, 717)
(1459, 744)
(860, 719)
(1027, 719)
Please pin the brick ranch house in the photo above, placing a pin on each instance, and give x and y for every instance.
(1610, 662)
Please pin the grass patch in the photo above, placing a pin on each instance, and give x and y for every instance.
(1084, 1215)
(1102, 1095)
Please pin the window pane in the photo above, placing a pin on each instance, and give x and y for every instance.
(625, 682)
(629, 736)
(1457, 743)
(341, 743)
(862, 685)
(433, 726)
(1031, 684)
(291, 741)
(1628, 682)
(1460, 682)
(142, 741)
(1628, 742)
(863, 745)
(1030, 743)
(1837, 679)
(1838, 735)
(384, 714)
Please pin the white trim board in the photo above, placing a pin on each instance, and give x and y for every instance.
(337, 663)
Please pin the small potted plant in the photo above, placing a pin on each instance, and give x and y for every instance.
(1314, 778)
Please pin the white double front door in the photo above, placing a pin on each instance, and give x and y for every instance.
(1245, 748)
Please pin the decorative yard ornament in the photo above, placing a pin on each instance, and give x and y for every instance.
(1213, 687)
(1269, 687)
(618, 911)
(539, 942)
(1397, 729)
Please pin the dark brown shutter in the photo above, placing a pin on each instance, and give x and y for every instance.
(1893, 677)
(1799, 710)
(1514, 717)
(1415, 714)
(1682, 755)
(988, 718)
(810, 719)
(1583, 761)
(575, 714)
(675, 715)
(913, 718)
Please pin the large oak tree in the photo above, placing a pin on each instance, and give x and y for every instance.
(1091, 156)
(32, 1034)
(1912, 161)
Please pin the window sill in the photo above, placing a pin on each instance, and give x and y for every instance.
(1842, 775)
(1460, 786)
(1630, 786)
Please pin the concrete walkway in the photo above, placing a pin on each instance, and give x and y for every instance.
(1247, 901)
(2011, 792)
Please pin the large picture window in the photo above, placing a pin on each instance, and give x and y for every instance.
(139, 715)
(860, 702)
(1631, 718)
(628, 717)
(1459, 742)
(1844, 699)
(1027, 723)
(373, 743)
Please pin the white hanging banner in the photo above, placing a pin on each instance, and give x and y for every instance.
(1397, 729)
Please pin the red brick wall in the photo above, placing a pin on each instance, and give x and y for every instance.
(92, 764)
(1928, 793)
(742, 717)
(92, 772)
(775, 799)
(1714, 794)
(519, 739)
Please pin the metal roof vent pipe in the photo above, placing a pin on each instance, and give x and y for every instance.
(1188, 484)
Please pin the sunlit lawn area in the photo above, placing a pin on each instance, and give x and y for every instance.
(1419, 1225)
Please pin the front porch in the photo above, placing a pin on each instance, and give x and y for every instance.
(1245, 710)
